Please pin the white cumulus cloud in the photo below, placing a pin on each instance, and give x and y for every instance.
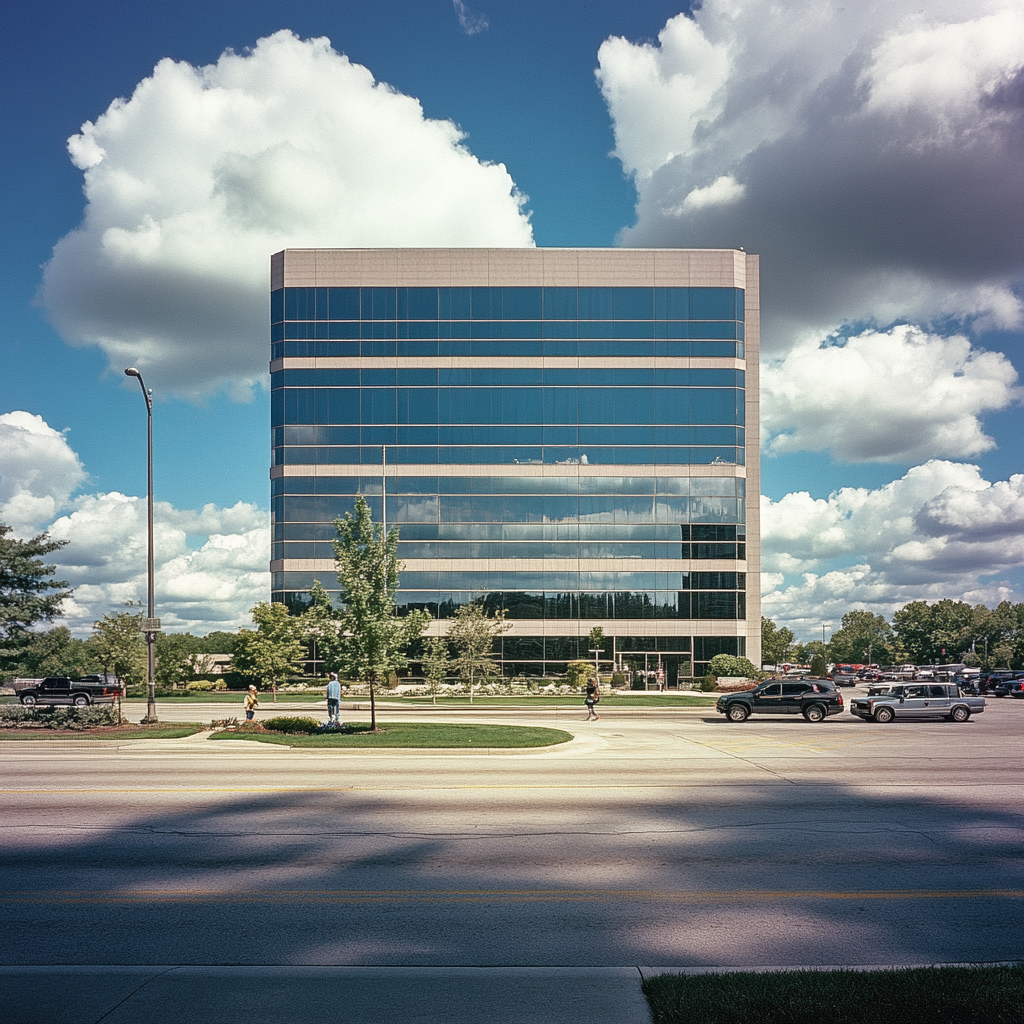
(874, 153)
(38, 471)
(885, 396)
(212, 564)
(939, 531)
(193, 181)
(211, 586)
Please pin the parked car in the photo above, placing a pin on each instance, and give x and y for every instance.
(918, 700)
(844, 679)
(65, 690)
(1017, 688)
(815, 699)
(1001, 687)
(987, 681)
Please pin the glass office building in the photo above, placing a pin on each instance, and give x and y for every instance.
(568, 434)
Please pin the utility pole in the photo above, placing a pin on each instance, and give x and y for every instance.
(151, 624)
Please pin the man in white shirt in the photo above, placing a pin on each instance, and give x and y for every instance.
(333, 698)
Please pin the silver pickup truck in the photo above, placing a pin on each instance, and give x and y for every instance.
(918, 700)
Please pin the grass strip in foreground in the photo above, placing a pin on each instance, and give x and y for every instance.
(416, 734)
(936, 995)
(176, 731)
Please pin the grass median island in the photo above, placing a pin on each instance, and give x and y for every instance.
(413, 735)
(915, 995)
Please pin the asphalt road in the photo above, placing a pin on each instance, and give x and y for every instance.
(657, 839)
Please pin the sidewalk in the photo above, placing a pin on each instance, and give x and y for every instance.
(321, 995)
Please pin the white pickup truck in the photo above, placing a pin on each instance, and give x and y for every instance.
(918, 700)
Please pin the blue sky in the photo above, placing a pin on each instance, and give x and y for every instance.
(872, 156)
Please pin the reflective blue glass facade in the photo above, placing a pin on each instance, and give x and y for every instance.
(576, 454)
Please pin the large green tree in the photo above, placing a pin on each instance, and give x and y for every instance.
(217, 642)
(472, 632)
(941, 632)
(369, 641)
(998, 640)
(273, 651)
(776, 644)
(119, 647)
(175, 657)
(55, 652)
(27, 593)
(804, 654)
(863, 638)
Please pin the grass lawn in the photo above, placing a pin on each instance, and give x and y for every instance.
(935, 995)
(416, 734)
(108, 732)
(231, 697)
(642, 700)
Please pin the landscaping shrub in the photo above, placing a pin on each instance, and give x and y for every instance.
(288, 724)
(730, 665)
(15, 716)
(707, 683)
(12, 715)
(618, 680)
(206, 685)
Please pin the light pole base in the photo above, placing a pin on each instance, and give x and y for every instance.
(150, 720)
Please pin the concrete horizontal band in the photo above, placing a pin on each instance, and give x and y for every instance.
(555, 470)
(503, 362)
(530, 565)
(523, 267)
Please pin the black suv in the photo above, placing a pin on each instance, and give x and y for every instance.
(815, 699)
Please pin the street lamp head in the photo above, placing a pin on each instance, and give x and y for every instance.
(132, 372)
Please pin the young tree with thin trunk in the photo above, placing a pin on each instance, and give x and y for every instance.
(436, 665)
(369, 640)
(472, 632)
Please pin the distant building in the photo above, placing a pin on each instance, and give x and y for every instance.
(218, 664)
(569, 434)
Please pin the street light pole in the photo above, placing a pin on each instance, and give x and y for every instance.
(151, 625)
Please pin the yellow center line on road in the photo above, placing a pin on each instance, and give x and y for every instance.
(415, 896)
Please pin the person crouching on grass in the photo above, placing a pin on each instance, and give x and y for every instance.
(252, 702)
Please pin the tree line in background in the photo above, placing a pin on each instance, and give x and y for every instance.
(946, 632)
